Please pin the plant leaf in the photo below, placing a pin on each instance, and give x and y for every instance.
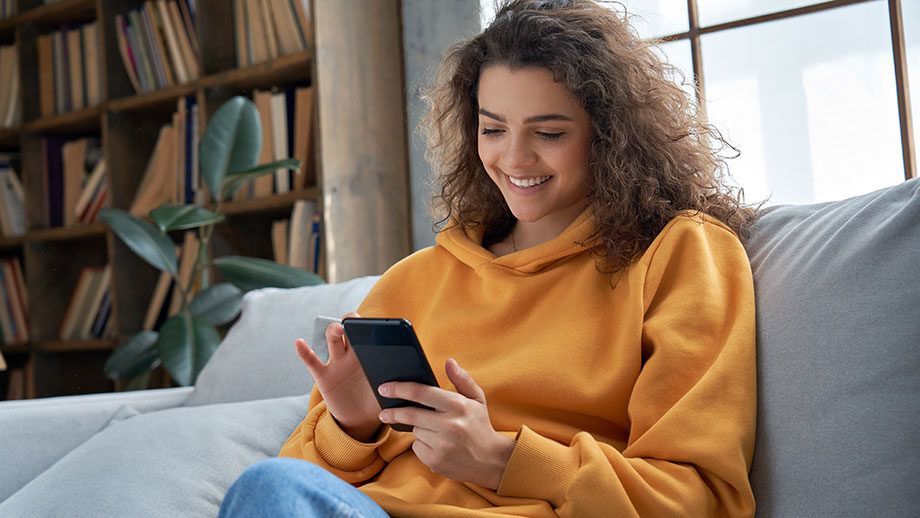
(218, 304)
(142, 238)
(134, 357)
(235, 180)
(171, 216)
(250, 273)
(186, 344)
(231, 141)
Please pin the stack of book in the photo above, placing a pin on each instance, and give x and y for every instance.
(266, 29)
(14, 319)
(73, 176)
(286, 132)
(10, 107)
(158, 44)
(296, 241)
(12, 204)
(88, 313)
(68, 69)
(172, 174)
(7, 9)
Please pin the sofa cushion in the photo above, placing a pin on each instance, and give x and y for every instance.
(838, 295)
(175, 462)
(257, 360)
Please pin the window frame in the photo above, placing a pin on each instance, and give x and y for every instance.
(896, 21)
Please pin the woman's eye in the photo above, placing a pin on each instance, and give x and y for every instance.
(489, 131)
(550, 136)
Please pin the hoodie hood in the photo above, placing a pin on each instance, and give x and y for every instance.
(466, 245)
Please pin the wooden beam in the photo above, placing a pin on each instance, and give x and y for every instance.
(362, 136)
(900, 74)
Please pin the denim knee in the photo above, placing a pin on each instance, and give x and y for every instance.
(291, 487)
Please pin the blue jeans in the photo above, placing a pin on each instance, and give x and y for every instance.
(280, 487)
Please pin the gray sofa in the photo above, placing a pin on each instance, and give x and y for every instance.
(838, 307)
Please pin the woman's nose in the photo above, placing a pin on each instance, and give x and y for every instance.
(517, 154)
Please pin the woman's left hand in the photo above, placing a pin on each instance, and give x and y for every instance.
(456, 439)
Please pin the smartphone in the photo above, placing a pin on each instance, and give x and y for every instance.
(389, 350)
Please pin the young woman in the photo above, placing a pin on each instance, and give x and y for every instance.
(588, 297)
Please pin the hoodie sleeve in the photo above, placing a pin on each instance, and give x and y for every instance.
(693, 406)
(320, 440)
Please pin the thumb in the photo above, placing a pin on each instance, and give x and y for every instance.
(463, 382)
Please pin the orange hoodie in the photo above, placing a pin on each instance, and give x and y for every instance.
(633, 400)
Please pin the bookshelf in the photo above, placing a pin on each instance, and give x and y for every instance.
(128, 122)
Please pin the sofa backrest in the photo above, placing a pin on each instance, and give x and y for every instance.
(838, 338)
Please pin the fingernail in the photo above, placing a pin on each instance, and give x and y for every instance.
(384, 417)
(384, 389)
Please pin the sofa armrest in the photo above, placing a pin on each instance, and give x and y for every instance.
(35, 433)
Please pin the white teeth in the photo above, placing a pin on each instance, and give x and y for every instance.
(528, 182)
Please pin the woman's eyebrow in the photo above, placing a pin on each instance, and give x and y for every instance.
(529, 120)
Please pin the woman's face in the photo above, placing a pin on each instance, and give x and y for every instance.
(533, 141)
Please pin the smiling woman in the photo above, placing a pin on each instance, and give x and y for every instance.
(587, 311)
(534, 145)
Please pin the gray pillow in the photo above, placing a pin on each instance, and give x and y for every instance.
(838, 331)
(257, 360)
(175, 462)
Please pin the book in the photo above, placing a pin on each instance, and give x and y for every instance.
(10, 333)
(17, 304)
(314, 241)
(60, 73)
(8, 80)
(187, 42)
(179, 119)
(75, 66)
(93, 89)
(127, 56)
(299, 242)
(12, 211)
(21, 284)
(271, 29)
(264, 185)
(159, 44)
(73, 156)
(97, 329)
(45, 51)
(285, 19)
(155, 308)
(280, 141)
(53, 174)
(303, 137)
(3, 365)
(172, 42)
(158, 184)
(280, 240)
(77, 306)
(257, 32)
(189, 254)
(91, 189)
(239, 34)
(94, 304)
(302, 8)
(188, 18)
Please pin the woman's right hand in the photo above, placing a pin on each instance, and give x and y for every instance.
(342, 383)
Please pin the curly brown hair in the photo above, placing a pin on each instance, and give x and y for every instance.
(652, 154)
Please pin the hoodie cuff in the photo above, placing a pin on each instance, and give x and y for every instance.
(342, 451)
(539, 468)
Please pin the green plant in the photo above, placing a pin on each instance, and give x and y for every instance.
(228, 153)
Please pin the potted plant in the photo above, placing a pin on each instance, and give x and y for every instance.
(228, 153)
